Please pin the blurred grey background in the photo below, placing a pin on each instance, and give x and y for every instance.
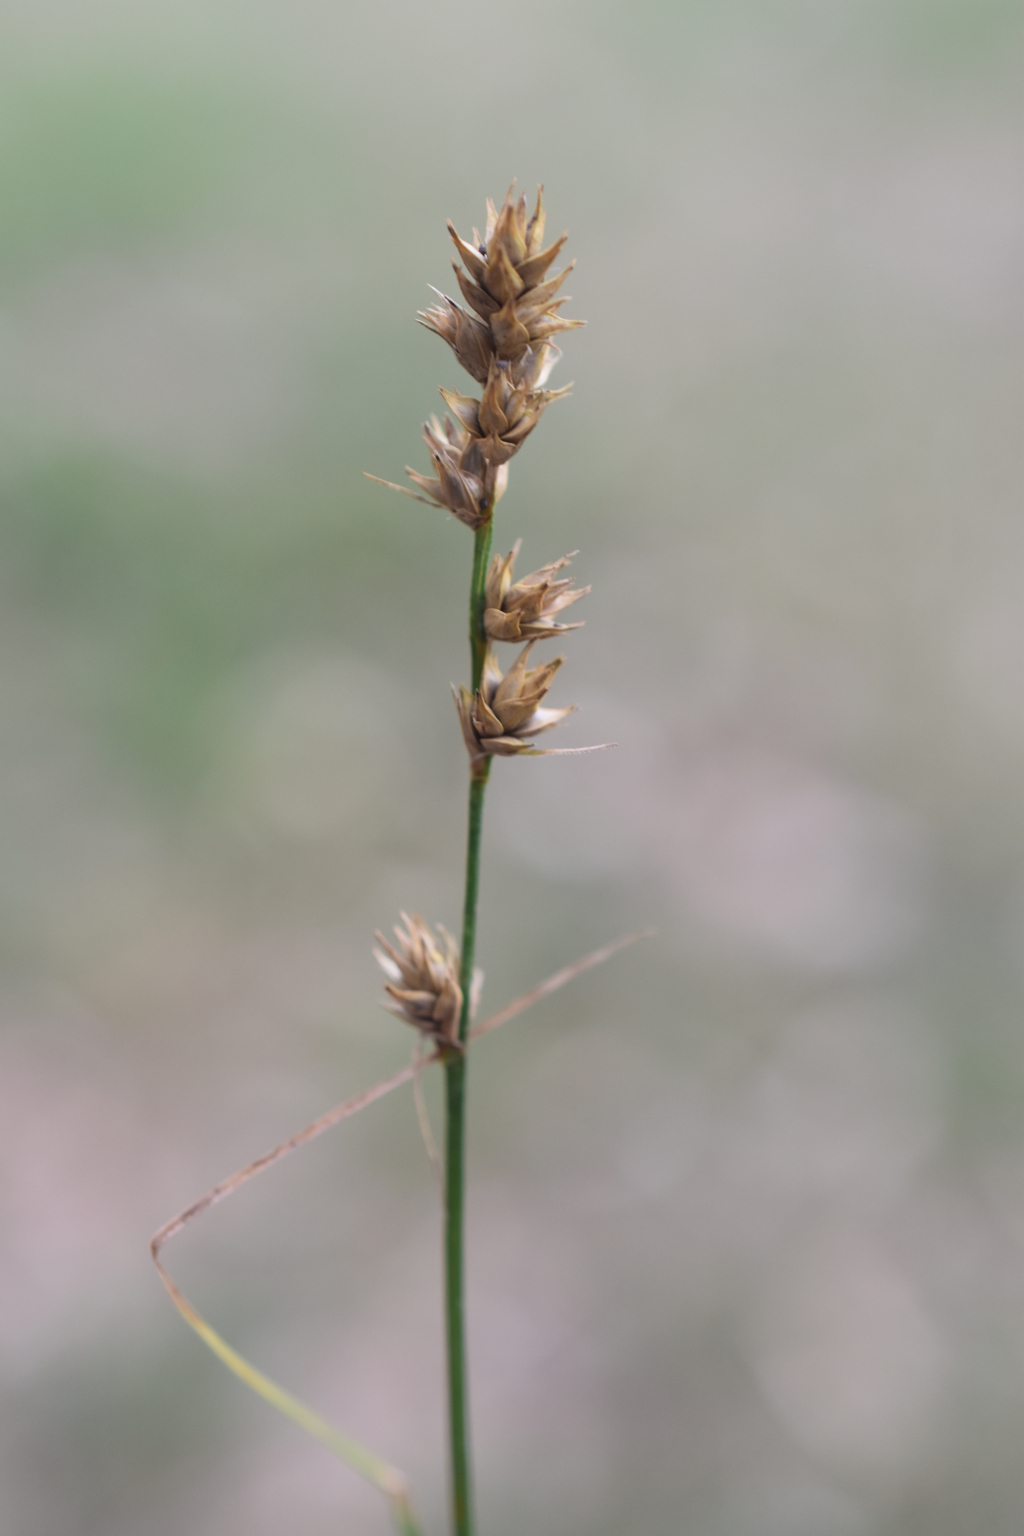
(747, 1207)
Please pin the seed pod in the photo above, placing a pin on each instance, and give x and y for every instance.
(499, 719)
(423, 978)
(526, 610)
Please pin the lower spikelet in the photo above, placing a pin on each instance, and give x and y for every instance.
(423, 978)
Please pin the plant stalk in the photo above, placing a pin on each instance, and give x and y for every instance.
(455, 1085)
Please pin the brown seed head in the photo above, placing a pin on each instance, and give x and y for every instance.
(423, 978)
(504, 338)
(504, 279)
(504, 341)
(505, 712)
(526, 610)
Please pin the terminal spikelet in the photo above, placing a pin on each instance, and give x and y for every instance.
(504, 279)
(525, 610)
(504, 341)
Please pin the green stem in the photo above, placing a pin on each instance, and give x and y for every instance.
(477, 638)
(455, 1083)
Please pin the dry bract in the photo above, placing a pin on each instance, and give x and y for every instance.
(505, 712)
(525, 610)
(468, 337)
(423, 978)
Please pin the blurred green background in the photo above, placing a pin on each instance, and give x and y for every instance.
(747, 1207)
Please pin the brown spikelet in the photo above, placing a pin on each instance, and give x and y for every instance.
(503, 339)
(504, 283)
(525, 610)
(506, 711)
(423, 978)
(463, 481)
(505, 343)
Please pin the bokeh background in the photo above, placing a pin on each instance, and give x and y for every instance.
(747, 1207)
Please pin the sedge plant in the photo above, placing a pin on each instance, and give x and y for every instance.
(503, 336)
(505, 340)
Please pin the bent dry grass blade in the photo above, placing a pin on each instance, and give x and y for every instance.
(559, 979)
(374, 1468)
(388, 1479)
